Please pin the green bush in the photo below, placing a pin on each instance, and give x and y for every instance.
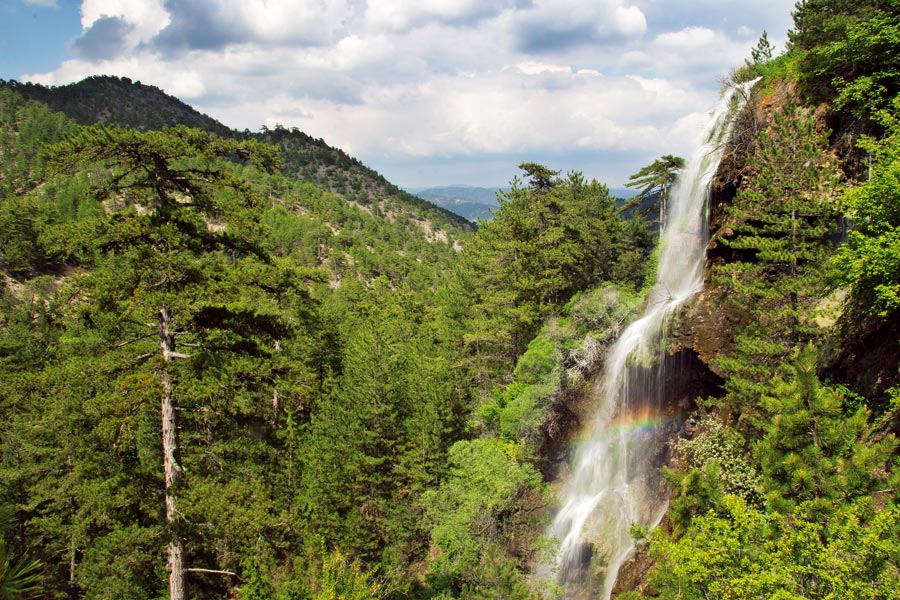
(716, 444)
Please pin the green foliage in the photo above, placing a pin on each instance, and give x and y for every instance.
(777, 71)
(277, 340)
(473, 511)
(744, 553)
(25, 127)
(257, 585)
(342, 579)
(657, 176)
(850, 52)
(537, 363)
(714, 443)
(601, 313)
(829, 526)
(233, 306)
(696, 492)
(379, 437)
(568, 349)
(812, 451)
(522, 403)
(546, 241)
(654, 182)
(870, 262)
(26, 209)
(762, 53)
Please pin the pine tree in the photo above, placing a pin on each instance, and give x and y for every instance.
(782, 230)
(654, 182)
(547, 240)
(763, 51)
(179, 247)
(812, 450)
(380, 437)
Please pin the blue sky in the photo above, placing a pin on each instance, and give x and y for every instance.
(33, 36)
(428, 92)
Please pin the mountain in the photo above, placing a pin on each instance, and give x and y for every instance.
(473, 203)
(476, 203)
(380, 231)
(623, 193)
(121, 101)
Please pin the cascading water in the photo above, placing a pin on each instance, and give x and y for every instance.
(614, 480)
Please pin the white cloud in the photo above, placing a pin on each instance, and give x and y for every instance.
(537, 68)
(411, 80)
(629, 20)
(399, 15)
(493, 113)
(559, 25)
(688, 38)
(354, 52)
(287, 20)
(147, 17)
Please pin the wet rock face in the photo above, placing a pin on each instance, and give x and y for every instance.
(560, 431)
(633, 575)
(868, 359)
(688, 378)
(707, 326)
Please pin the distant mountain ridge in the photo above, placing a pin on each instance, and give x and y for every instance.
(121, 101)
(473, 203)
(476, 203)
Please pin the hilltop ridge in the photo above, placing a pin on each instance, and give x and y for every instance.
(127, 103)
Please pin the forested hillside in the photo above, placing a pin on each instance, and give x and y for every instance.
(121, 101)
(201, 354)
(239, 370)
(214, 370)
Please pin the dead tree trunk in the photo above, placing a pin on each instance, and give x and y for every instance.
(171, 461)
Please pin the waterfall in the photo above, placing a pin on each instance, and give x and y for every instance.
(614, 479)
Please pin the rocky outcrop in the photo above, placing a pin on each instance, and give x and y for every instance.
(634, 573)
(706, 326)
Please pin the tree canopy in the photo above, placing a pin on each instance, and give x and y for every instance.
(653, 183)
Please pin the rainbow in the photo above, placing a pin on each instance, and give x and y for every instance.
(630, 424)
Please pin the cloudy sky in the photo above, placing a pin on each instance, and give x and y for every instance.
(427, 92)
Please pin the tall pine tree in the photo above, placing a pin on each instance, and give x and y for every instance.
(784, 228)
(179, 249)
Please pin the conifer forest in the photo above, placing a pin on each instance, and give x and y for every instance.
(245, 366)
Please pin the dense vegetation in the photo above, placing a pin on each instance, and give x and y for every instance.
(789, 487)
(216, 370)
(264, 370)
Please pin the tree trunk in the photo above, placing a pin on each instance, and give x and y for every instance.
(276, 399)
(171, 466)
(72, 587)
(662, 210)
